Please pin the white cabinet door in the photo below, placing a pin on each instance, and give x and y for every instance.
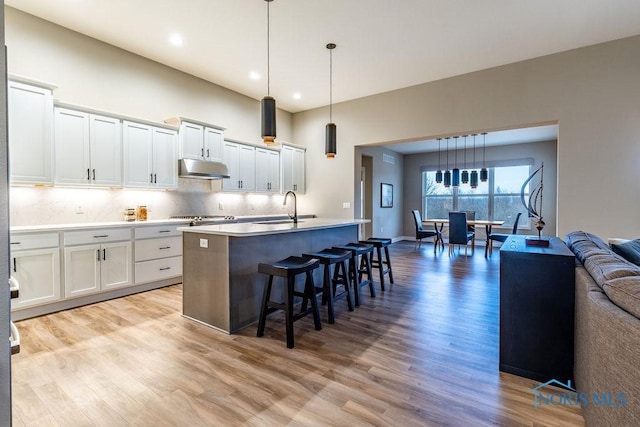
(231, 155)
(30, 133)
(267, 170)
(298, 171)
(192, 141)
(292, 169)
(105, 136)
(38, 272)
(81, 270)
(72, 156)
(247, 167)
(138, 154)
(115, 265)
(165, 159)
(213, 142)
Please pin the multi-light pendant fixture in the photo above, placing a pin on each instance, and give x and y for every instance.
(454, 178)
(447, 173)
(330, 144)
(268, 103)
(465, 172)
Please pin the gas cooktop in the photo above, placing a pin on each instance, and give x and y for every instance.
(206, 219)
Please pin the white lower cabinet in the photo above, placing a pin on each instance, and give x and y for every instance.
(35, 264)
(96, 267)
(158, 253)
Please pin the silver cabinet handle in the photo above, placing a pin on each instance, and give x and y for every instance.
(208, 153)
(100, 236)
(98, 254)
(15, 243)
(94, 174)
(202, 152)
(164, 231)
(155, 178)
(104, 254)
(88, 177)
(165, 268)
(15, 267)
(165, 247)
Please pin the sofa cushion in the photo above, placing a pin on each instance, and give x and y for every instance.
(628, 250)
(625, 293)
(598, 258)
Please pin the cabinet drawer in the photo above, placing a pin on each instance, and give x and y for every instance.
(34, 241)
(158, 269)
(158, 248)
(158, 231)
(86, 237)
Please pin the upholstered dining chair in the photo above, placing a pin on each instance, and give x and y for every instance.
(471, 215)
(421, 233)
(500, 237)
(458, 232)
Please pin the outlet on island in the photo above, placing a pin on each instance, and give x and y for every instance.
(204, 243)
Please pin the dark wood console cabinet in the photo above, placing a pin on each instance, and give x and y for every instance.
(537, 287)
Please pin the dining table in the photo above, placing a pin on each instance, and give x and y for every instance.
(439, 223)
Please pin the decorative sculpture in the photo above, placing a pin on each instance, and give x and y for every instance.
(533, 205)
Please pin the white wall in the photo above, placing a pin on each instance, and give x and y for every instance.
(94, 74)
(591, 92)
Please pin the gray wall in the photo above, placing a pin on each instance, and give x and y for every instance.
(5, 351)
(539, 152)
(385, 222)
(592, 93)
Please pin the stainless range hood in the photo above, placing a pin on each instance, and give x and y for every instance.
(202, 169)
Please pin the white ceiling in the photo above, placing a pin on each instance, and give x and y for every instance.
(382, 44)
(502, 137)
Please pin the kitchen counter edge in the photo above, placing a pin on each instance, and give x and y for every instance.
(253, 229)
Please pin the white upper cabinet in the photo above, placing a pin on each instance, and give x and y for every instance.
(88, 149)
(150, 156)
(292, 163)
(267, 170)
(213, 141)
(30, 126)
(240, 160)
(198, 140)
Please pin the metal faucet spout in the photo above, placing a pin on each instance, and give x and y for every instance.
(295, 206)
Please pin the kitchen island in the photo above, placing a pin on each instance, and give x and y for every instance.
(221, 284)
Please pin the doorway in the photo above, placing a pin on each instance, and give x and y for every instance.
(366, 195)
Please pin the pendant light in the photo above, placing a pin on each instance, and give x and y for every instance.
(484, 174)
(447, 173)
(465, 172)
(268, 103)
(330, 138)
(455, 176)
(439, 172)
(474, 172)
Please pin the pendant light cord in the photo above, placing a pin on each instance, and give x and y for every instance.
(331, 85)
(268, 50)
(484, 146)
(465, 151)
(474, 150)
(439, 140)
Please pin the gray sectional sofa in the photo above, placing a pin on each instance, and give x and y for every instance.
(607, 332)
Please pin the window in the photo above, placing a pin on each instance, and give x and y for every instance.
(498, 198)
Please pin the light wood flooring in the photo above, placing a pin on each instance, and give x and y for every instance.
(424, 353)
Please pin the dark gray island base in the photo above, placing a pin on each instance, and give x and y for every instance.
(221, 284)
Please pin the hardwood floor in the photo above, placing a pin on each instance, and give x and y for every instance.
(422, 353)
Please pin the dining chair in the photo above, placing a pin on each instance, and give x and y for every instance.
(458, 233)
(500, 237)
(471, 216)
(421, 233)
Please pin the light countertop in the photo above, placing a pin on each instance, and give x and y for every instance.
(274, 227)
(91, 225)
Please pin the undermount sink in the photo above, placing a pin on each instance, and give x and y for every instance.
(278, 221)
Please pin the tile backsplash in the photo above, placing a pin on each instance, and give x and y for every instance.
(56, 205)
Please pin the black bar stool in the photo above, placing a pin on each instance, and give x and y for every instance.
(339, 258)
(382, 264)
(289, 268)
(359, 268)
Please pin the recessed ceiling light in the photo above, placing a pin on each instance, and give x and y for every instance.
(254, 75)
(176, 40)
(297, 95)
